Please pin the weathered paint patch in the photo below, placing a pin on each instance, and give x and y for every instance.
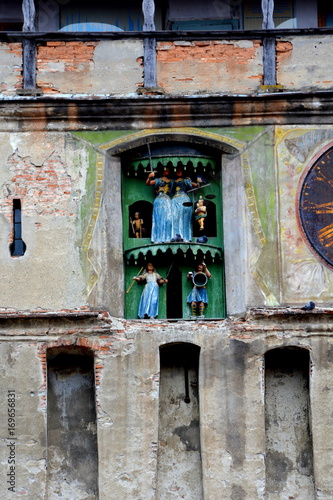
(300, 63)
(89, 67)
(10, 67)
(209, 66)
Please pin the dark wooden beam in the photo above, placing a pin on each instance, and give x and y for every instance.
(29, 45)
(43, 36)
(148, 9)
(269, 52)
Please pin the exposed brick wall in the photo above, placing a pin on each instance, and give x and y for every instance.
(44, 189)
(210, 66)
(62, 57)
(206, 51)
(102, 347)
(283, 51)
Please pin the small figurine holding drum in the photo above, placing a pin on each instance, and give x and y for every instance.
(198, 298)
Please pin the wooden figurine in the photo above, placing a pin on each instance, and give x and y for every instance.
(148, 306)
(162, 214)
(137, 225)
(198, 298)
(181, 205)
(200, 213)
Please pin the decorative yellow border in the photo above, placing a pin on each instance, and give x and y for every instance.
(251, 199)
(92, 222)
(194, 132)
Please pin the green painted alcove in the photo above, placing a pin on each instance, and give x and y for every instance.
(172, 260)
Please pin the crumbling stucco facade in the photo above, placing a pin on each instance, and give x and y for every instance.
(97, 404)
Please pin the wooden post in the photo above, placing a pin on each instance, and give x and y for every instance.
(148, 9)
(269, 53)
(29, 46)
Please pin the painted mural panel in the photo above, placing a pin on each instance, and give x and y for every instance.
(300, 153)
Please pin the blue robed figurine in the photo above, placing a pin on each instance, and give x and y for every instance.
(182, 214)
(198, 297)
(161, 231)
(148, 306)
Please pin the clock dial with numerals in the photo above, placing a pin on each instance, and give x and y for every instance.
(316, 207)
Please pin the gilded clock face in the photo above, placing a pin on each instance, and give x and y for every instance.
(316, 207)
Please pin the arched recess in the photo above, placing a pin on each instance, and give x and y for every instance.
(289, 451)
(179, 452)
(71, 423)
(124, 150)
(183, 135)
(142, 228)
(210, 223)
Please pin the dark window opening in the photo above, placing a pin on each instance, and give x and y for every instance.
(17, 247)
(174, 293)
(11, 26)
(80, 15)
(325, 14)
(11, 15)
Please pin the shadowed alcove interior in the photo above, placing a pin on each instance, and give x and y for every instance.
(71, 421)
(289, 454)
(179, 451)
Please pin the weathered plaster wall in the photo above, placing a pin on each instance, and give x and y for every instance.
(70, 191)
(23, 439)
(185, 67)
(231, 395)
(48, 176)
(104, 67)
(10, 67)
(300, 63)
